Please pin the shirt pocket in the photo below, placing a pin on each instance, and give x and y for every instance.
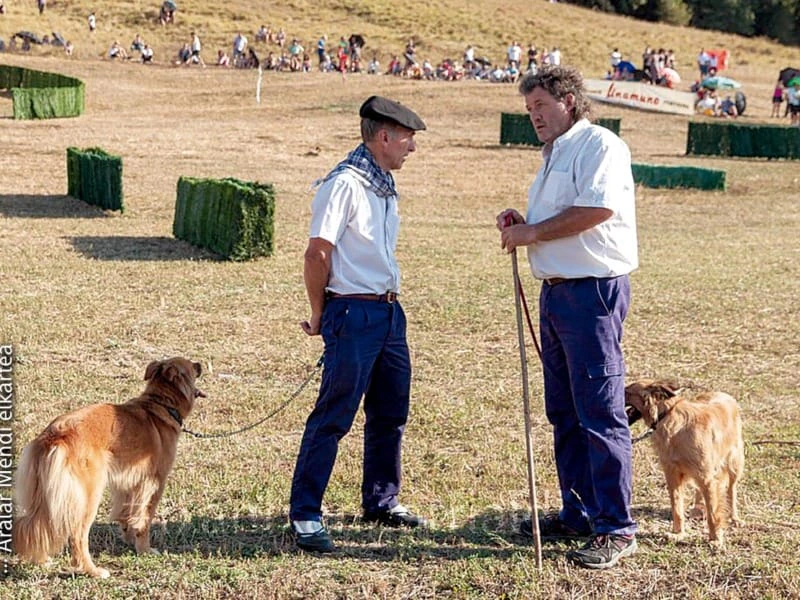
(558, 189)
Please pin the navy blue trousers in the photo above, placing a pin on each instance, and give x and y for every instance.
(366, 355)
(584, 388)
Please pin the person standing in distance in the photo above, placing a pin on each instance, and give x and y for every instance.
(353, 281)
(580, 233)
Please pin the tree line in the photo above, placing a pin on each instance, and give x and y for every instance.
(775, 19)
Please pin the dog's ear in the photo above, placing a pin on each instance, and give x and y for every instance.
(198, 369)
(152, 370)
(664, 389)
(633, 413)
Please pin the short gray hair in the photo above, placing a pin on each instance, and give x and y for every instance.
(370, 128)
(559, 81)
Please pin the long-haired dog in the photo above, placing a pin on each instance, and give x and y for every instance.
(698, 438)
(131, 446)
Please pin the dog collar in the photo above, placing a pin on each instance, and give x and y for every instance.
(172, 413)
(175, 415)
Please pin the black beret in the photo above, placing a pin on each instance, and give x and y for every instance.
(378, 108)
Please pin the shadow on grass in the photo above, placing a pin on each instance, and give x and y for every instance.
(31, 206)
(489, 535)
(141, 248)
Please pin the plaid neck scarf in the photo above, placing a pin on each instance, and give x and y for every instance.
(362, 162)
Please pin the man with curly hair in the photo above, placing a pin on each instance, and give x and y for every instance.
(580, 233)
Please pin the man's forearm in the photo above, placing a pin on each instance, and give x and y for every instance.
(571, 221)
(316, 271)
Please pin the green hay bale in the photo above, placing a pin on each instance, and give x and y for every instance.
(232, 218)
(516, 128)
(73, 172)
(735, 139)
(95, 176)
(609, 123)
(42, 95)
(663, 176)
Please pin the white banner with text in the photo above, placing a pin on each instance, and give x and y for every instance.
(641, 95)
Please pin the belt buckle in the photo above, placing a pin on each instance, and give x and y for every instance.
(391, 297)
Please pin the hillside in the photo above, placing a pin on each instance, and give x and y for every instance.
(441, 28)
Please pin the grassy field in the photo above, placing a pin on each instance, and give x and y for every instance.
(87, 299)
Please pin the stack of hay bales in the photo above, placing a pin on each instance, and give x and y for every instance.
(42, 95)
(735, 139)
(95, 176)
(229, 217)
(516, 128)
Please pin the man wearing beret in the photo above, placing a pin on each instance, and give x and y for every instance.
(353, 282)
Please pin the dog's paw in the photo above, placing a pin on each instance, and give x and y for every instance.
(677, 536)
(738, 522)
(153, 551)
(99, 573)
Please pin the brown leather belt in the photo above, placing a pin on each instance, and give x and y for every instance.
(388, 297)
(555, 280)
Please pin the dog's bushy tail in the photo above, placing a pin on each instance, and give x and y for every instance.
(48, 498)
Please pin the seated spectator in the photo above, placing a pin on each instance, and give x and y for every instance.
(282, 62)
(306, 67)
(708, 104)
(117, 51)
(295, 54)
(325, 64)
(184, 54)
(166, 14)
(727, 108)
(147, 54)
(2, 45)
(497, 75)
(68, 48)
(395, 67)
(239, 45)
(269, 63)
(2, 8)
(262, 34)
(137, 45)
(223, 60)
(374, 67)
(427, 70)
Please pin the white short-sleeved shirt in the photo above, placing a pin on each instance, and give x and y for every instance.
(363, 229)
(586, 166)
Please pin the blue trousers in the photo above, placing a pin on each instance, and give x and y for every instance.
(584, 386)
(366, 355)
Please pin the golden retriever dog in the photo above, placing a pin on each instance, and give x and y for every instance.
(698, 439)
(131, 446)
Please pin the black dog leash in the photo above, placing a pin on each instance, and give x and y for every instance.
(285, 403)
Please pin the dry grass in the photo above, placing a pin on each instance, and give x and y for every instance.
(89, 298)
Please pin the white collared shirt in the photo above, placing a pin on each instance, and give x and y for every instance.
(586, 166)
(363, 229)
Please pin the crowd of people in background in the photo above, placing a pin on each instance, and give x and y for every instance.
(274, 50)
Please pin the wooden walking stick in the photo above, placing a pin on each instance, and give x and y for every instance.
(537, 539)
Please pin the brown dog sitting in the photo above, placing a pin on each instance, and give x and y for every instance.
(131, 446)
(698, 438)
